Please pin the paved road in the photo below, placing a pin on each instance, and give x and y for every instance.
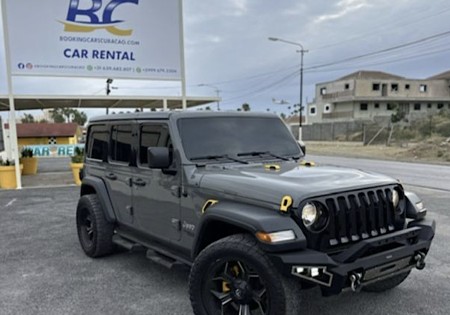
(417, 174)
(51, 172)
(44, 271)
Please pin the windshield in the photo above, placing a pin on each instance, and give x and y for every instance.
(232, 136)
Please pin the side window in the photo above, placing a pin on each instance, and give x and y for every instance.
(150, 136)
(121, 141)
(97, 147)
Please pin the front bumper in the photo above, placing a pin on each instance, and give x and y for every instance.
(369, 260)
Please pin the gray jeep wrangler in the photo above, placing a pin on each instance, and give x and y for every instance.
(230, 195)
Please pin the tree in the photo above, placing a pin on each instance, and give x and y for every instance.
(27, 119)
(57, 115)
(398, 115)
(246, 107)
(62, 115)
(43, 121)
(79, 117)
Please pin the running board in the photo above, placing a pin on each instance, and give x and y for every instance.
(129, 245)
(162, 260)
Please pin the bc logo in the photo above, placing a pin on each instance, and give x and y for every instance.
(91, 19)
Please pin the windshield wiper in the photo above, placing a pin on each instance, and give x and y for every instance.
(260, 153)
(218, 157)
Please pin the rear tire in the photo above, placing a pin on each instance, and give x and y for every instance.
(94, 231)
(387, 284)
(234, 276)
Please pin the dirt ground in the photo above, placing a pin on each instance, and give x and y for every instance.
(433, 150)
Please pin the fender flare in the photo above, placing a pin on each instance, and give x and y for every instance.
(97, 185)
(252, 219)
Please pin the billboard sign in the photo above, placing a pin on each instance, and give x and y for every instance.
(130, 39)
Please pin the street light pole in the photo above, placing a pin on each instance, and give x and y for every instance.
(216, 89)
(302, 51)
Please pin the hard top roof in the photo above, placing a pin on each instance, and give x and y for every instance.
(177, 114)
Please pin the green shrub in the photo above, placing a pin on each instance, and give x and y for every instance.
(27, 153)
(443, 129)
(6, 163)
(78, 157)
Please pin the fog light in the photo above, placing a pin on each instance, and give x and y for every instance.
(318, 275)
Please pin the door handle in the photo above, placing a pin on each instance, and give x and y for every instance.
(139, 182)
(111, 176)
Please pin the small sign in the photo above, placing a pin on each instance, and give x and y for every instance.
(54, 150)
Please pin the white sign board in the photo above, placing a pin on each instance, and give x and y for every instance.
(131, 39)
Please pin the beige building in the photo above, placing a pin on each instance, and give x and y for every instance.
(374, 95)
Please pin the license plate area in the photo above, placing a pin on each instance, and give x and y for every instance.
(386, 269)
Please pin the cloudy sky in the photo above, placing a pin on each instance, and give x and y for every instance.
(226, 45)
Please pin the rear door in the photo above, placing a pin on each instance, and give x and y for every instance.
(156, 200)
(118, 173)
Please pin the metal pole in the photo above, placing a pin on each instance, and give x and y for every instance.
(301, 96)
(218, 101)
(12, 109)
(183, 62)
(302, 51)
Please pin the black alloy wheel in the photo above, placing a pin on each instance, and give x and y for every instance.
(94, 231)
(234, 276)
(236, 288)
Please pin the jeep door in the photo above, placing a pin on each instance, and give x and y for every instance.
(156, 200)
(118, 173)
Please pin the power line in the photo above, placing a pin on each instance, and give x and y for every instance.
(384, 27)
(374, 53)
(266, 87)
(385, 62)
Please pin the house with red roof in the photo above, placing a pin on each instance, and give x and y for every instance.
(47, 133)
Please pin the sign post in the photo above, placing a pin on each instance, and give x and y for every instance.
(12, 109)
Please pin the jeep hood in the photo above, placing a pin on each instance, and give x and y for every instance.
(262, 184)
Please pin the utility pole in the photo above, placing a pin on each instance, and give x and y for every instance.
(216, 89)
(302, 51)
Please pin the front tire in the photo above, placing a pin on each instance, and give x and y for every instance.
(387, 284)
(94, 231)
(234, 276)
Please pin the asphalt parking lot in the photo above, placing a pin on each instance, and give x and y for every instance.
(44, 271)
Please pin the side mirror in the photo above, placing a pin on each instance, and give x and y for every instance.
(302, 146)
(158, 157)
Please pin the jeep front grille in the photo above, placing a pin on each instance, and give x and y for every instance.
(360, 215)
(354, 216)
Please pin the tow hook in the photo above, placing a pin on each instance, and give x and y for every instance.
(420, 260)
(355, 280)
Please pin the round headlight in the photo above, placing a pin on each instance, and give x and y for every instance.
(395, 198)
(309, 214)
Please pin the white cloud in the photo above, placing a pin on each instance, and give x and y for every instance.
(344, 8)
(240, 7)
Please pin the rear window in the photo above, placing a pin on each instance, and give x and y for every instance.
(121, 142)
(97, 146)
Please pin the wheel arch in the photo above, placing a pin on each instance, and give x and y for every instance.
(93, 185)
(227, 218)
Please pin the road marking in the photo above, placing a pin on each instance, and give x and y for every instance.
(9, 204)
